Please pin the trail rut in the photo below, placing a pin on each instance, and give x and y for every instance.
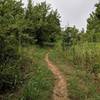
(60, 89)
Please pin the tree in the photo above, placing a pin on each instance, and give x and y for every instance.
(70, 36)
(11, 15)
(29, 10)
(93, 26)
(43, 23)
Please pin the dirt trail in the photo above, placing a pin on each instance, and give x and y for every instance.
(60, 89)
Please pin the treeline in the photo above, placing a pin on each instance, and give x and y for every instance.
(36, 24)
(71, 35)
(42, 23)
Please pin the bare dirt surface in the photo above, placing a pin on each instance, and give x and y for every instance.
(60, 88)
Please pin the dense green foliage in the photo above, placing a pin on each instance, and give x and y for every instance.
(10, 13)
(19, 27)
(43, 23)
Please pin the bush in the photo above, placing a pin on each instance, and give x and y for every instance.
(9, 77)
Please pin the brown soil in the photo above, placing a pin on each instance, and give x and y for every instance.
(60, 88)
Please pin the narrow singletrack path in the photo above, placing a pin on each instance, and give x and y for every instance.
(60, 89)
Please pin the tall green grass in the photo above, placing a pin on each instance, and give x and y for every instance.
(86, 55)
(80, 63)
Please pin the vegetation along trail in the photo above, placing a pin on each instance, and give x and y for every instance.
(60, 88)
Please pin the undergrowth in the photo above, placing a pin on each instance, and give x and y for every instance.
(36, 82)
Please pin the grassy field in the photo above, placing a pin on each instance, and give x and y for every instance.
(38, 80)
(82, 83)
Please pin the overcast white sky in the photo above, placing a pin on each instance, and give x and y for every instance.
(73, 12)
